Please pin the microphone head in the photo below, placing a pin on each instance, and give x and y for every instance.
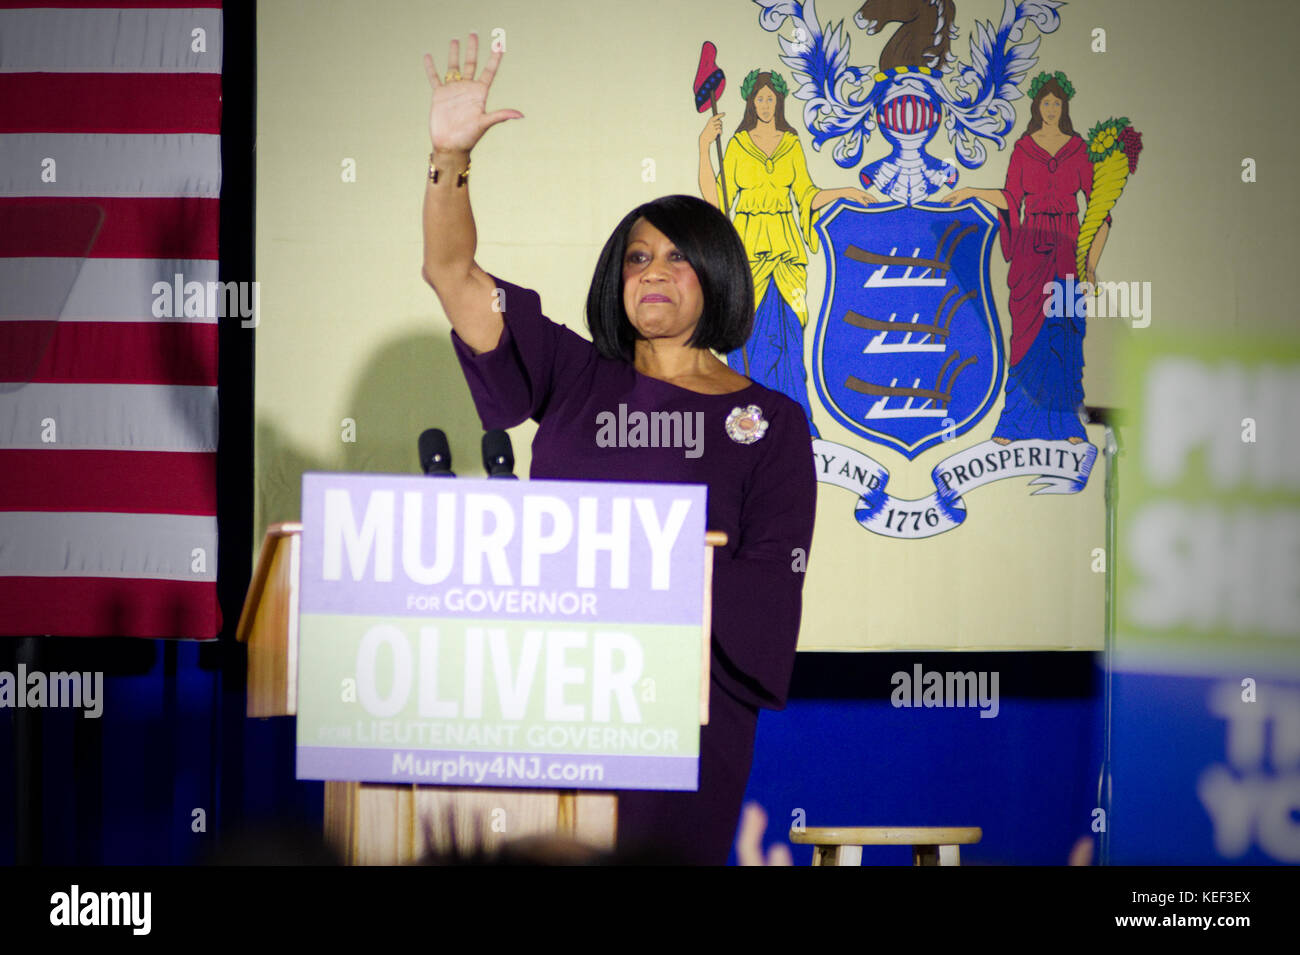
(435, 453)
(498, 455)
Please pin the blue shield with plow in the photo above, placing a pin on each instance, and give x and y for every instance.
(907, 349)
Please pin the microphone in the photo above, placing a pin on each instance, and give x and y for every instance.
(498, 456)
(435, 453)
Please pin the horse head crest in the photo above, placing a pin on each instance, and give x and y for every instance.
(924, 36)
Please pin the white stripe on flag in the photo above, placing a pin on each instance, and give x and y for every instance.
(111, 164)
(108, 417)
(88, 544)
(105, 290)
(109, 41)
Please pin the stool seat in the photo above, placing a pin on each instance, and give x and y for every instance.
(842, 845)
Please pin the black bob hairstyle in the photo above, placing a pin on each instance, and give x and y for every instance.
(711, 246)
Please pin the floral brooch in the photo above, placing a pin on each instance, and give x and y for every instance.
(746, 425)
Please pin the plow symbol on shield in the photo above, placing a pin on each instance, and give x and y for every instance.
(907, 352)
(907, 347)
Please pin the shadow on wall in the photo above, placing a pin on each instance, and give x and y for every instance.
(411, 383)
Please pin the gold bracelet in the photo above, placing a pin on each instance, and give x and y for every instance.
(462, 177)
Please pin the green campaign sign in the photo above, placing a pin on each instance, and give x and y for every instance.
(493, 633)
(1209, 506)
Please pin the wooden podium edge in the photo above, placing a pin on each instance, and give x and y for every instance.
(261, 573)
(712, 539)
(268, 624)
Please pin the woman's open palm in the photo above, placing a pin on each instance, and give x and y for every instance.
(458, 116)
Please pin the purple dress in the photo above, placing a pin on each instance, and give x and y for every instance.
(762, 495)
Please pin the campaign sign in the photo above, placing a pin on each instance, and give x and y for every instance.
(475, 632)
(1206, 705)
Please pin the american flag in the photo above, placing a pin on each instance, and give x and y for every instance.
(110, 176)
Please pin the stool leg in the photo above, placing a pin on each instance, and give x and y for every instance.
(849, 855)
(925, 855)
(950, 855)
(837, 855)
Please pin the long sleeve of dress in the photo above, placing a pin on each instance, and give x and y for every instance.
(804, 192)
(758, 585)
(516, 379)
(1015, 194)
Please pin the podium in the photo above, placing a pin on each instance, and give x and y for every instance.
(392, 824)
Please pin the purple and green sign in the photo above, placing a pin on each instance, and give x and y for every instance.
(500, 633)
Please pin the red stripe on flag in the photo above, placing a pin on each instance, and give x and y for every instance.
(145, 228)
(127, 353)
(114, 482)
(110, 103)
(167, 353)
(95, 606)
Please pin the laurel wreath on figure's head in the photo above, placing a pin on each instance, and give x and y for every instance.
(1044, 77)
(778, 84)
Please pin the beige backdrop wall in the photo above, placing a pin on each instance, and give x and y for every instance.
(353, 354)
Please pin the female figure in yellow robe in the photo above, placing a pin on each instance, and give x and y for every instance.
(766, 179)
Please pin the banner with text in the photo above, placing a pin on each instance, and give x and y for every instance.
(475, 632)
(1206, 702)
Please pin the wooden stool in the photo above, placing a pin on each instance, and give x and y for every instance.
(931, 845)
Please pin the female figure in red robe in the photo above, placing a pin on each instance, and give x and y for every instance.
(1049, 167)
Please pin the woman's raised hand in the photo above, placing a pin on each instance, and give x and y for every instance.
(458, 116)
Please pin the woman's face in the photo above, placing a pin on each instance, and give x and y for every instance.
(1050, 109)
(765, 104)
(661, 292)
